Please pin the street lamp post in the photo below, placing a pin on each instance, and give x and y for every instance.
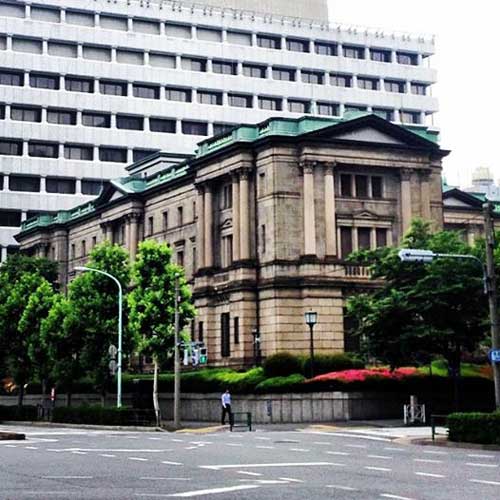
(256, 347)
(120, 329)
(311, 319)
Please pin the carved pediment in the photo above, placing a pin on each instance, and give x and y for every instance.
(365, 214)
(117, 195)
(369, 134)
(226, 224)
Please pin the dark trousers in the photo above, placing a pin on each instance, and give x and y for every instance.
(226, 410)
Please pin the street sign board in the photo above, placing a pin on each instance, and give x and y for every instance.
(494, 355)
(112, 367)
(112, 351)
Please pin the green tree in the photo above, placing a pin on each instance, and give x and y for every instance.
(94, 303)
(152, 303)
(436, 308)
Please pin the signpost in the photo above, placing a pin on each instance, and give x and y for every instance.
(494, 355)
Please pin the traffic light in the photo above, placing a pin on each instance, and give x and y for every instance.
(202, 357)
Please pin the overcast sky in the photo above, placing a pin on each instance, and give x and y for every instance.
(467, 60)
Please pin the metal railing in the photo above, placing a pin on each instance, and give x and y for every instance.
(240, 419)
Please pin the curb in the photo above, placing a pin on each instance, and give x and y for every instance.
(54, 425)
(444, 443)
(11, 436)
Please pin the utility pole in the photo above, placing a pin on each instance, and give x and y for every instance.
(492, 294)
(177, 360)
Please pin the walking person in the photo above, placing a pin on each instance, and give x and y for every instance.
(226, 407)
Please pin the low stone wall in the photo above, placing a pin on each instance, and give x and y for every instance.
(265, 408)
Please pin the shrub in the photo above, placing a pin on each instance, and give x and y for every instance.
(291, 383)
(482, 428)
(282, 364)
(326, 363)
(23, 413)
(98, 415)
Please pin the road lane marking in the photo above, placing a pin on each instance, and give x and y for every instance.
(251, 466)
(396, 497)
(31, 448)
(154, 439)
(233, 444)
(266, 447)
(107, 455)
(472, 455)
(78, 452)
(322, 443)
(340, 487)
(246, 473)
(113, 450)
(483, 481)
(11, 446)
(177, 440)
(138, 459)
(298, 449)
(428, 460)
(292, 480)
(389, 448)
(428, 474)
(49, 494)
(473, 464)
(263, 438)
(341, 453)
(433, 452)
(356, 446)
(165, 478)
(380, 469)
(166, 462)
(67, 477)
(197, 493)
(381, 457)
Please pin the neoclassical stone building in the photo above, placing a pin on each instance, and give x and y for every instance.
(262, 219)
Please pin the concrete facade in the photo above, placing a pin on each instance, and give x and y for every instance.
(262, 220)
(87, 88)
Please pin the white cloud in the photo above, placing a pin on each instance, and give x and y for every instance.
(468, 61)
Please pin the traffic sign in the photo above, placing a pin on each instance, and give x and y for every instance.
(494, 355)
(112, 367)
(112, 351)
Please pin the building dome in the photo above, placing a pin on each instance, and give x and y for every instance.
(482, 175)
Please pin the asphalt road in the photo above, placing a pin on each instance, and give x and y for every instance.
(85, 464)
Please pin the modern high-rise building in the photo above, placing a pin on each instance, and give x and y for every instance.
(88, 88)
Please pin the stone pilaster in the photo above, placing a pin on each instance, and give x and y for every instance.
(244, 214)
(425, 195)
(209, 255)
(309, 213)
(133, 234)
(406, 212)
(200, 227)
(236, 217)
(330, 223)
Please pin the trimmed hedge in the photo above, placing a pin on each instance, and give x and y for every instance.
(282, 364)
(23, 413)
(291, 383)
(481, 428)
(326, 363)
(98, 415)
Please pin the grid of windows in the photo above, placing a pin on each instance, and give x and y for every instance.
(297, 45)
(340, 80)
(240, 100)
(96, 120)
(10, 218)
(325, 48)
(117, 155)
(11, 147)
(91, 187)
(8, 77)
(43, 149)
(111, 87)
(224, 67)
(129, 122)
(254, 70)
(194, 128)
(24, 183)
(177, 94)
(407, 58)
(286, 74)
(394, 86)
(412, 117)
(367, 83)
(162, 125)
(77, 152)
(327, 108)
(386, 114)
(146, 91)
(194, 64)
(61, 116)
(271, 103)
(312, 77)
(354, 52)
(77, 84)
(41, 81)
(269, 42)
(296, 106)
(418, 88)
(60, 185)
(380, 55)
(140, 154)
(208, 97)
(25, 114)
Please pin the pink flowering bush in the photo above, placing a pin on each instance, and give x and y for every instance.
(348, 376)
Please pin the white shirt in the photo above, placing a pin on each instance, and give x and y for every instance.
(226, 399)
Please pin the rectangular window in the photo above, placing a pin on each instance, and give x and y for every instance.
(94, 53)
(367, 83)
(263, 238)
(26, 45)
(148, 27)
(14, 78)
(296, 45)
(60, 185)
(177, 30)
(151, 225)
(226, 196)
(74, 84)
(386, 114)
(364, 235)
(240, 100)
(11, 147)
(113, 22)
(128, 122)
(24, 183)
(176, 94)
(394, 86)
(209, 35)
(312, 77)
(79, 18)
(43, 149)
(206, 97)
(239, 38)
(407, 58)
(269, 42)
(325, 49)
(63, 49)
(25, 114)
(140, 154)
(376, 187)
(284, 74)
(110, 87)
(146, 91)
(180, 258)
(84, 248)
(194, 128)
(345, 185)
(346, 241)
(236, 328)
(2, 112)
(295, 106)
(354, 52)
(118, 155)
(380, 55)
(418, 88)
(381, 237)
(254, 71)
(412, 117)
(224, 67)
(73, 252)
(10, 218)
(353, 108)
(94, 241)
(12, 10)
(200, 331)
(271, 103)
(340, 80)
(76, 152)
(160, 60)
(165, 220)
(180, 216)
(222, 128)
(96, 120)
(91, 187)
(361, 182)
(130, 57)
(193, 64)
(327, 109)
(162, 125)
(61, 116)
(40, 81)
(225, 335)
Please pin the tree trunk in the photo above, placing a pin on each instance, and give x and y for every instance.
(68, 398)
(20, 397)
(156, 404)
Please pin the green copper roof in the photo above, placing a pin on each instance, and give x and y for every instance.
(278, 127)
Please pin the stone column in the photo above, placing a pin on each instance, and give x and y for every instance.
(3, 254)
(425, 195)
(405, 199)
(244, 214)
(133, 234)
(209, 255)
(200, 228)
(106, 231)
(330, 223)
(309, 216)
(236, 217)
